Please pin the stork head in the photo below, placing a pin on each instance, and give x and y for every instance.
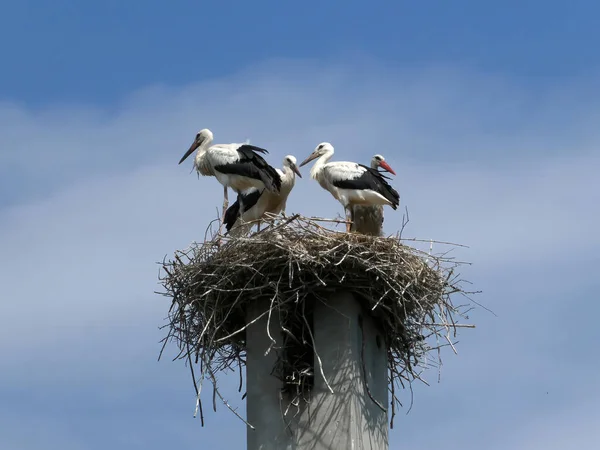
(290, 162)
(320, 150)
(202, 136)
(379, 161)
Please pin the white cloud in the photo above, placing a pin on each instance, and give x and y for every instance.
(96, 198)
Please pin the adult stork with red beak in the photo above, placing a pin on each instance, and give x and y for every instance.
(238, 166)
(369, 219)
(350, 183)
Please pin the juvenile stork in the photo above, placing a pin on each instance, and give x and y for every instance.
(350, 183)
(257, 202)
(369, 219)
(238, 166)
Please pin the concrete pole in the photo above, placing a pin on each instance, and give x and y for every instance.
(263, 390)
(346, 419)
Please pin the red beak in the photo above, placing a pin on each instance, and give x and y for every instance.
(385, 166)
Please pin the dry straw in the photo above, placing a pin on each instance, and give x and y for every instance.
(292, 263)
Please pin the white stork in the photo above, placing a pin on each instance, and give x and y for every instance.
(238, 166)
(350, 183)
(369, 219)
(257, 202)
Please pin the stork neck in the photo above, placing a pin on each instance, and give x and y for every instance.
(288, 177)
(318, 166)
(201, 161)
(204, 145)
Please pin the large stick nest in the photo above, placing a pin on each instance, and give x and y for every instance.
(292, 264)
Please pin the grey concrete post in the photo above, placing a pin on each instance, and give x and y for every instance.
(346, 419)
(263, 391)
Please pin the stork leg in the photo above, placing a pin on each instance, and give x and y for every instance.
(348, 219)
(240, 201)
(225, 202)
(225, 206)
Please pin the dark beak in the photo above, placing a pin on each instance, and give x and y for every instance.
(385, 166)
(309, 159)
(296, 170)
(193, 147)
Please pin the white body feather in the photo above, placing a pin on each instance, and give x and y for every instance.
(326, 173)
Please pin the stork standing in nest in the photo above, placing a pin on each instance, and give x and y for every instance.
(238, 166)
(369, 219)
(350, 183)
(252, 205)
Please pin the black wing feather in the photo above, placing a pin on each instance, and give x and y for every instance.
(253, 148)
(233, 212)
(374, 180)
(231, 215)
(252, 165)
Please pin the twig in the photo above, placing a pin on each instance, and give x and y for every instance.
(229, 336)
(317, 355)
(226, 403)
(273, 342)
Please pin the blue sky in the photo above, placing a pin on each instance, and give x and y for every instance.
(487, 113)
(97, 52)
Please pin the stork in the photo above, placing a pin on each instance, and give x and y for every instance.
(257, 202)
(369, 219)
(350, 183)
(238, 166)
